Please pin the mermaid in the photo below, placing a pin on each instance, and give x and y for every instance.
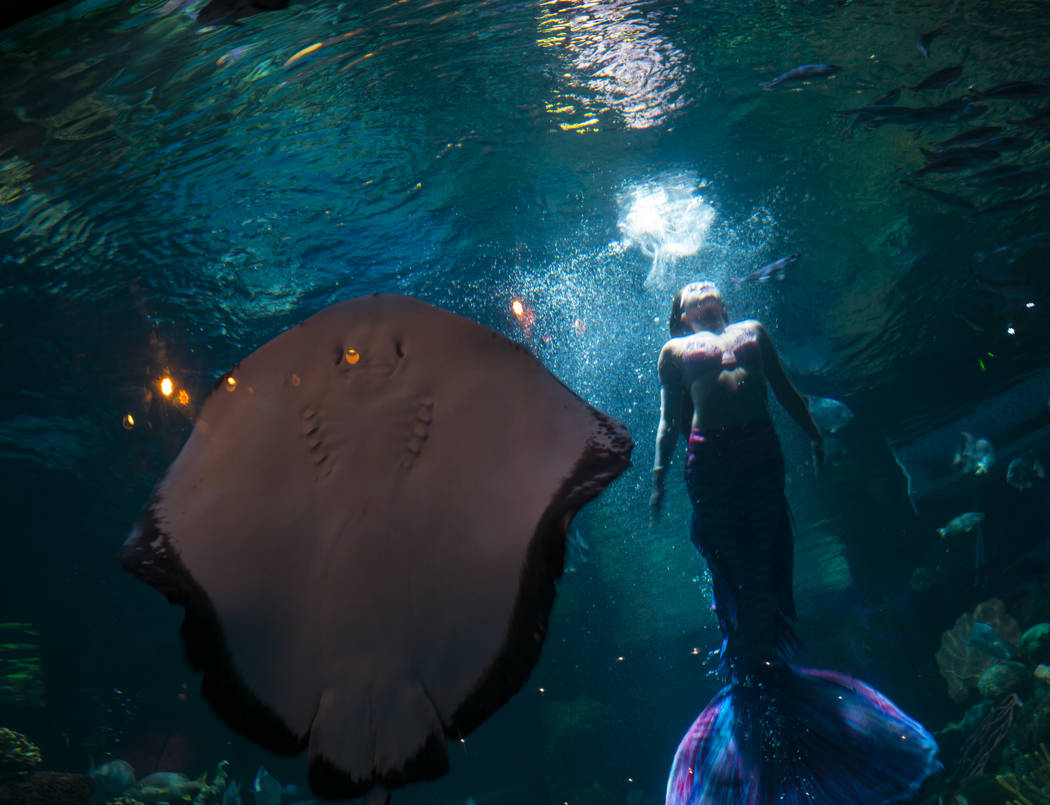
(776, 732)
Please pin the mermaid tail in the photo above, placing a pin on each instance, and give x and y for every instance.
(800, 735)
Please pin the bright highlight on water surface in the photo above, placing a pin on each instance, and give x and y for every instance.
(666, 218)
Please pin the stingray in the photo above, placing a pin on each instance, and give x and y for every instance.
(365, 528)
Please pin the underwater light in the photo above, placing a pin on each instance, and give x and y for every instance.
(183, 397)
(517, 308)
(166, 386)
(231, 383)
(129, 421)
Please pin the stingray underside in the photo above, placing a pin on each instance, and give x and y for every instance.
(365, 528)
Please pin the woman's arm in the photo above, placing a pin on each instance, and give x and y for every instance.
(670, 372)
(784, 390)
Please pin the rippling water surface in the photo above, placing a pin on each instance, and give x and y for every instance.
(173, 194)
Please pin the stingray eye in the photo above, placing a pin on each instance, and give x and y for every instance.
(352, 356)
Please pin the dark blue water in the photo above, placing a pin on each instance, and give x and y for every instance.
(173, 195)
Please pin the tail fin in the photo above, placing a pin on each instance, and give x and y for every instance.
(801, 736)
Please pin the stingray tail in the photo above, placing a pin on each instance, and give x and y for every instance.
(801, 735)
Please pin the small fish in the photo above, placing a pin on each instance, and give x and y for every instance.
(1020, 246)
(230, 11)
(1003, 279)
(963, 524)
(1016, 175)
(774, 270)
(968, 111)
(927, 39)
(951, 162)
(1006, 142)
(994, 172)
(1040, 119)
(945, 198)
(233, 56)
(1012, 90)
(888, 98)
(973, 153)
(974, 456)
(951, 109)
(1009, 204)
(972, 136)
(829, 415)
(877, 109)
(801, 73)
(983, 637)
(941, 78)
(1025, 472)
(267, 789)
(115, 776)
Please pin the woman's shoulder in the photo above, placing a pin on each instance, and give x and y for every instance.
(746, 326)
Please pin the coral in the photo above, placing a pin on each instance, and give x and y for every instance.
(47, 788)
(1033, 724)
(1035, 643)
(17, 753)
(1031, 785)
(962, 664)
(212, 794)
(986, 737)
(1002, 678)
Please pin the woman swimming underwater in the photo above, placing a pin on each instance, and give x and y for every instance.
(776, 733)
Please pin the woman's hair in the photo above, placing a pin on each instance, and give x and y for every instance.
(678, 328)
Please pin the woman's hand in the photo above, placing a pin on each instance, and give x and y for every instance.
(656, 501)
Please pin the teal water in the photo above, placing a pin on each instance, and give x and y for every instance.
(173, 195)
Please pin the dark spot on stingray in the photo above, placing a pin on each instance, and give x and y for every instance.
(399, 349)
(398, 597)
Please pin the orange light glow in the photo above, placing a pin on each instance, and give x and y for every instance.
(518, 308)
(183, 397)
(352, 356)
(166, 386)
(129, 421)
(231, 383)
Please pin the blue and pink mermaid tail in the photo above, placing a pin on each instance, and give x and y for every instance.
(801, 736)
(777, 734)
